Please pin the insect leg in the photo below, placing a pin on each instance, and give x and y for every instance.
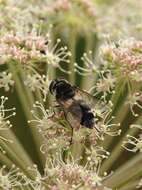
(71, 141)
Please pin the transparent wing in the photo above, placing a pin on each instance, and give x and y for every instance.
(73, 121)
(85, 97)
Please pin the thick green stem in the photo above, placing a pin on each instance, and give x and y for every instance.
(16, 146)
(125, 173)
(130, 186)
(5, 161)
(27, 104)
(118, 150)
(16, 159)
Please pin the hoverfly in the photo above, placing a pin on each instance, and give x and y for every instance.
(76, 104)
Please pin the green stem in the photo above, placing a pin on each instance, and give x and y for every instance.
(16, 146)
(78, 147)
(119, 91)
(27, 103)
(117, 109)
(90, 80)
(118, 150)
(38, 96)
(121, 115)
(5, 161)
(16, 159)
(72, 47)
(126, 172)
(130, 186)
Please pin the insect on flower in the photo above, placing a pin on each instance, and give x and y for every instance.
(76, 104)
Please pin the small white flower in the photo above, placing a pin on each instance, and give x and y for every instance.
(132, 143)
(105, 85)
(89, 67)
(139, 184)
(4, 119)
(134, 100)
(37, 82)
(11, 178)
(6, 80)
(37, 182)
(56, 55)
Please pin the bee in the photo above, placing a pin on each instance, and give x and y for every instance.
(76, 104)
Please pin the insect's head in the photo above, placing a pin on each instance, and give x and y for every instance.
(61, 89)
(55, 83)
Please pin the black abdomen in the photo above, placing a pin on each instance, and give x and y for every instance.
(87, 119)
